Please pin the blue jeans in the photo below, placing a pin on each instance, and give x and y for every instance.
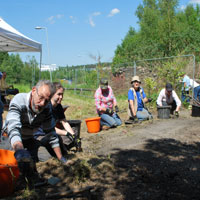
(197, 93)
(110, 121)
(183, 96)
(143, 115)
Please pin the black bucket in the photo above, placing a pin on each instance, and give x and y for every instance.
(195, 111)
(76, 126)
(163, 112)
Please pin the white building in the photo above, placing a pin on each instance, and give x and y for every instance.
(51, 67)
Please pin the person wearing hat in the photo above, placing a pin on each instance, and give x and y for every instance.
(137, 98)
(106, 106)
(168, 96)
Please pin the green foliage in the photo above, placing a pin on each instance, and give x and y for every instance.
(150, 85)
(171, 72)
(164, 31)
(19, 72)
(23, 87)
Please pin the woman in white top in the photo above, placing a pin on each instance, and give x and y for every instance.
(196, 86)
(168, 96)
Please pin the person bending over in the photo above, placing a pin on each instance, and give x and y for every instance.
(27, 112)
(167, 97)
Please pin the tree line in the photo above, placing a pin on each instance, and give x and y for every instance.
(164, 30)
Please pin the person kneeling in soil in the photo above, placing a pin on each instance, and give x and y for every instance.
(136, 100)
(65, 133)
(106, 106)
(27, 112)
(168, 97)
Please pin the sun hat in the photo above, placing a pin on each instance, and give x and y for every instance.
(135, 78)
(104, 83)
(169, 87)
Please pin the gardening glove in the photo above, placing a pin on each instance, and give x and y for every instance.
(25, 162)
(116, 109)
(63, 160)
(70, 136)
(176, 114)
(149, 99)
(135, 119)
(109, 111)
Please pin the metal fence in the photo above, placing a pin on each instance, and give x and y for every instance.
(154, 73)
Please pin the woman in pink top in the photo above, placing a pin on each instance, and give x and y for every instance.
(106, 106)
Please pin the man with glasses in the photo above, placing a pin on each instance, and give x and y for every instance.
(27, 112)
(168, 97)
(136, 99)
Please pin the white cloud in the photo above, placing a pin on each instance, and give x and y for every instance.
(91, 20)
(96, 13)
(53, 19)
(194, 1)
(59, 16)
(73, 19)
(114, 12)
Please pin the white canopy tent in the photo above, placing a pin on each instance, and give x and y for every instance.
(12, 40)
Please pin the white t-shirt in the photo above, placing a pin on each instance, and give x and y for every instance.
(195, 83)
(162, 97)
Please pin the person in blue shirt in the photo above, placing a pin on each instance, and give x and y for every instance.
(185, 88)
(136, 99)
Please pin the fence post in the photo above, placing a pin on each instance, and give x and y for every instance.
(75, 81)
(193, 75)
(134, 68)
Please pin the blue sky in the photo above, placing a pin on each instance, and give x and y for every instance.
(76, 29)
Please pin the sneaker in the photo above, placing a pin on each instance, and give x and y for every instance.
(104, 127)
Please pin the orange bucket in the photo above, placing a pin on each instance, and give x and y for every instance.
(9, 172)
(93, 124)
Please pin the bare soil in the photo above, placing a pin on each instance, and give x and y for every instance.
(157, 159)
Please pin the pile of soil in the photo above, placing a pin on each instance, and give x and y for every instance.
(157, 159)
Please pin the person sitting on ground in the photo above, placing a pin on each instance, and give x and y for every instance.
(106, 106)
(136, 101)
(168, 97)
(7, 89)
(65, 133)
(27, 112)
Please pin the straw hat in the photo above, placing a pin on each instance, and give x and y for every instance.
(135, 78)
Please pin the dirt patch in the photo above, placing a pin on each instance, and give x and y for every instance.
(156, 159)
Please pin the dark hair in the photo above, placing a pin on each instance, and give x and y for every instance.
(49, 84)
(58, 85)
(169, 87)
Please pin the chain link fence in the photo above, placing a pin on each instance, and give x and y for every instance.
(154, 74)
